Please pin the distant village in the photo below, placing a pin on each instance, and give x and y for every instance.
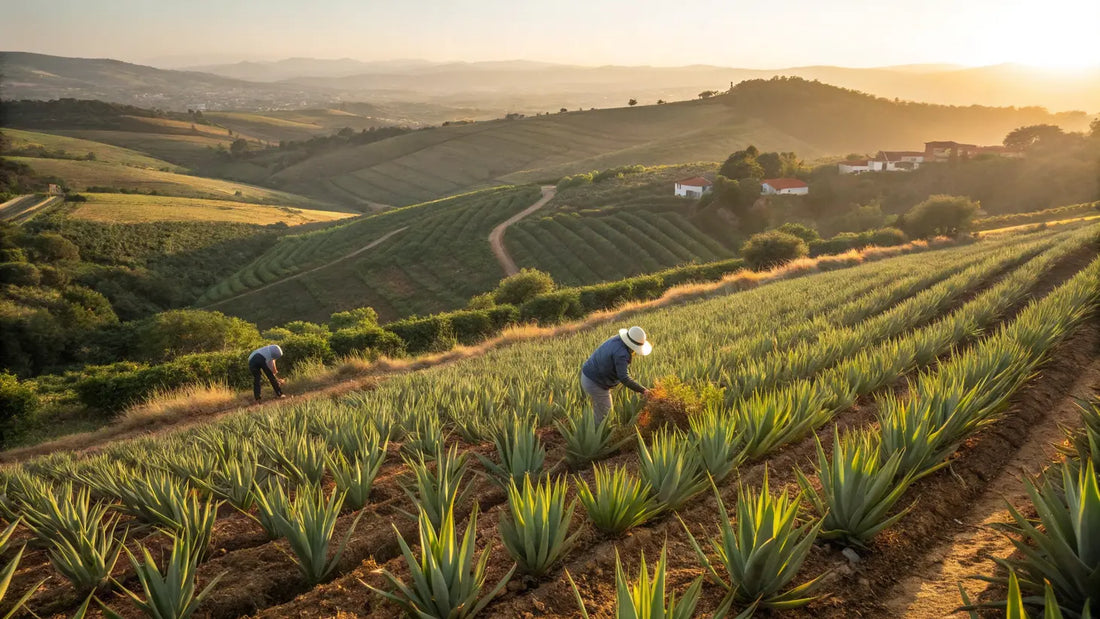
(884, 161)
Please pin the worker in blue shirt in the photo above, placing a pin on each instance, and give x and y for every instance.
(609, 366)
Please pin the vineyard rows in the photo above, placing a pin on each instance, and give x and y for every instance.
(280, 503)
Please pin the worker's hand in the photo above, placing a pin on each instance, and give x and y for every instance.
(646, 394)
(282, 381)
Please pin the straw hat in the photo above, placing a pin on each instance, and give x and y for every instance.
(635, 338)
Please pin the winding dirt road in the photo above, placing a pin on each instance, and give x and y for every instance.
(496, 237)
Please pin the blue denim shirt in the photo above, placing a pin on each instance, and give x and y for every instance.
(609, 365)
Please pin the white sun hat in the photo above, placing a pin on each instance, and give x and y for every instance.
(635, 338)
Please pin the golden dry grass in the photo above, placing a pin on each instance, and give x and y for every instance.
(133, 208)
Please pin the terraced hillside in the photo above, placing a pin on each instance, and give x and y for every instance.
(783, 115)
(872, 378)
(134, 208)
(435, 257)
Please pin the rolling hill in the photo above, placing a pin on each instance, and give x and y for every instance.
(810, 118)
(133, 208)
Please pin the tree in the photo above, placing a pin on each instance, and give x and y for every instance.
(359, 317)
(169, 334)
(706, 94)
(771, 163)
(1026, 137)
(562, 110)
(1094, 128)
(742, 164)
(632, 102)
(940, 215)
(523, 286)
(802, 231)
(768, 250)
(239, 146)
(660, 101)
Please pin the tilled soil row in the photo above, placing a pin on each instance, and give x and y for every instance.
(593, 553)
(878, 585)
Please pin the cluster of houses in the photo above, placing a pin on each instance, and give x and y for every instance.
(696, 186)
(906, 160)
(884, 161)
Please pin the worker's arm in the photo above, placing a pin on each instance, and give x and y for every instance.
(274, 370)
(622, 369)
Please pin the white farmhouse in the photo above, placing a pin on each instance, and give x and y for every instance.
(783, 186)
(854, 167)
(693, 187)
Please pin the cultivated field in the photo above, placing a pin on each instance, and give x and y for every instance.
(304, 509)
(83, 174)
(76, 147)
(133, 208)
(439, 259)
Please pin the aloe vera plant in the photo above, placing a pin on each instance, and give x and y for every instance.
(80, 538)
(6, 575)
(520, 451)
(354, 477)
(670, 465)
(645, 597)
(858, 488)
(1063, 549)
(300, 457)
(586, 440)
(1016, 604)
(535, 531)
(169, 594)
(759, 554)
(617, 501)
(436, 489)
(307, 522)
(446, 581)
(717, 441)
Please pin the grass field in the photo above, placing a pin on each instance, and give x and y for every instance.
(186, 150)
(132, 208)
(919, 359)
(83, 174)
(437, 262)
(77, 147)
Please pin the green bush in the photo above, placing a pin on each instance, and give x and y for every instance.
(767, 250)
(888, 237)
(430, 334)
(19, 274)
(12, 254)
(552, 307)
(940, 215)
(523, 286)
(366, 339)
(359, 317)
(52, 247)
(299, 348)
(115, 387)
(302, 327)
(53, 277)
(647, 287)
(471, 326)
(16, 400)
(802, 231)
(604, 296)
(170, 334)
(503, 315)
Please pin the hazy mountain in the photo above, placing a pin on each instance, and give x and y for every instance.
(38, 76)
(308, 67)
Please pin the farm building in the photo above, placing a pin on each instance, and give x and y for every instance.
(693, 187)
(854, 166)
(783, 186)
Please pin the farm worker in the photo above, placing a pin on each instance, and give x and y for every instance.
(262, 360)
(609, 366)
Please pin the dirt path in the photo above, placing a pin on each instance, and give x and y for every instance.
(496, 237)
(326, 265)
(931, 590)
(20, 209)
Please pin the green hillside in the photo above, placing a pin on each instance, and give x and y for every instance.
(810, 118)
(438, 258)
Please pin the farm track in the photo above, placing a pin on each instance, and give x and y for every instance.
(593, 554)
(496, 237)
(348, 256)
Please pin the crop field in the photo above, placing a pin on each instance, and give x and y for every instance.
(188, 150)
(83, 174)
(437, 259)
(77, 147)
(485, 487)
(134, 208)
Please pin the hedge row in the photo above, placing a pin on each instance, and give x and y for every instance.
(845, 241)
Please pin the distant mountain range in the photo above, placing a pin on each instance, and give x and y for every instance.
(520, 86)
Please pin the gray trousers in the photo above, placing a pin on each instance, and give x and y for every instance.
(601, 398)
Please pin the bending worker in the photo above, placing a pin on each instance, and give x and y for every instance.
(262, 360)
(609, 366)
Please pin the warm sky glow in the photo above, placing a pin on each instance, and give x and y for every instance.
(858, 33)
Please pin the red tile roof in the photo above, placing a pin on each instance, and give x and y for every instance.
(784, 183)
(695, 181)
(857, 162)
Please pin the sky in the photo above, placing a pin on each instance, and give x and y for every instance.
(734, 33)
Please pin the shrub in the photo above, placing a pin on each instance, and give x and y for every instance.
(19, 274)
(503, 315)
(359, 317)
(940, 215)
(471, 326)
(430, 334)
(604, 296)
(302, 327)
(647, 287)
(553, 307)
(802, 231)
(170, 334)
(16, 399)
(482, 301)
(523, 286)
(52, 247)
(888, 237)
(771, 249)
(366, 338)
(299, 348)
(12, 254)
(53, 277)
